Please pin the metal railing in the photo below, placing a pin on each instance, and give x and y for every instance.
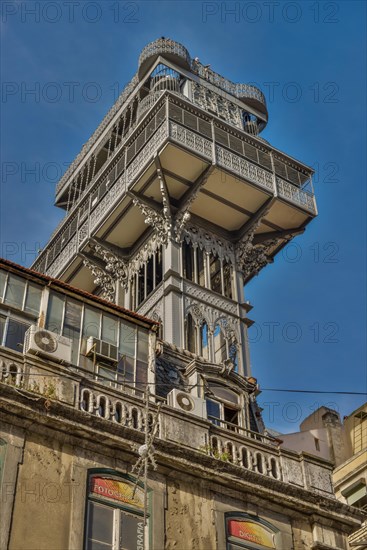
(75, 229)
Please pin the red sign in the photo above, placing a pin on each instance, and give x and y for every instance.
(251, 532)
(114, 489)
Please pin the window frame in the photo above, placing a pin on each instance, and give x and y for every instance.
(83, 337)
(204, 277)
(10, 316)
(27, 284)
(117, 507)
(138, 282)
(224, 405)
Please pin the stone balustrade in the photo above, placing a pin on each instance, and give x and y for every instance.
(113, 404)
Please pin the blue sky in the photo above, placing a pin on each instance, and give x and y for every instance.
(309, 59)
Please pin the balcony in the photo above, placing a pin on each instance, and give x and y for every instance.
(173, 51)
(171, 123)
(71, 395)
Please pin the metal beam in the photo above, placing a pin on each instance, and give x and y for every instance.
(191, 193)
(121, 252)
(264, 237)
(163, 187)
(260, 213)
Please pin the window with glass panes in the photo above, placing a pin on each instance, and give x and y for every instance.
(17, 293)
(222, 406)
(20, 293)
(80, 321)
(115, 513)
(193, 268)
(149, 275)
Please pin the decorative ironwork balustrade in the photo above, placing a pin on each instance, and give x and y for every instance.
(108, 191)
(296, 195)
(242, 91)
(163, 46)
(102, 208)
(128, 89)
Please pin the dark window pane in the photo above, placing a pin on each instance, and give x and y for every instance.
(188, 261)
(129, 370)
(2, 328)
(72, 320)
(227, 276)
(141, 375)
(91, 322)
(150, 278)
(200, 267)
(15, 291)
(233, 355)
(158, 266)
(215, 274)
(143, 345)
(15, 335)
(213, 410)
(127, 339)
(33, 299)
(131, 532)
(55, 312)
(230, 415)
(140, 285)
(100, 525)
(109, 329)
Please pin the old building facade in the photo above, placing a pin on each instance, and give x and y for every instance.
(119, 432)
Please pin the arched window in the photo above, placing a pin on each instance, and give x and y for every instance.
(220, 348)
(204, 339)
(115, 512)
(215, 274)
(233, 353)
(227, 280)
(190, 334)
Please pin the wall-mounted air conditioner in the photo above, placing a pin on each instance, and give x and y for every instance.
(102, 349)
(40, 341)
(187, 403)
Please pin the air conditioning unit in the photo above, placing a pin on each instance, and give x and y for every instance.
(43, 342)
(187, 403)
(102, 349)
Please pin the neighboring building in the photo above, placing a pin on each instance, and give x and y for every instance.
(345, 445)
(172, 206)
(320, 434)
(350, 477)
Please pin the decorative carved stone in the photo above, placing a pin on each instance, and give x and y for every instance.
(154, 301)
(149, 248)
(115, 266)
(208, 297)
(209, 242)
(102, 279)
(252, 258)
(159, 221)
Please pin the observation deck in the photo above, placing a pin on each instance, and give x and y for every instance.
(230, 180)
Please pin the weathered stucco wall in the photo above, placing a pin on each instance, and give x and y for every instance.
(41, 517)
